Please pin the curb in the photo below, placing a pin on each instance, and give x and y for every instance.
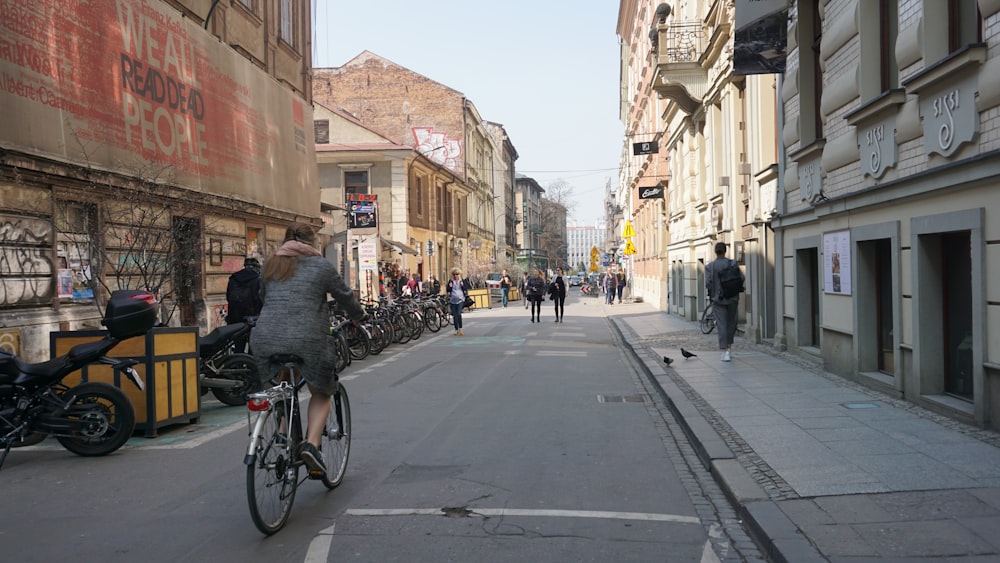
(773, 532)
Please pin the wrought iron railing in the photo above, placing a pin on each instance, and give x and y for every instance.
(682, 42)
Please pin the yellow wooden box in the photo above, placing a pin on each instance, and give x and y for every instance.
(168, 364)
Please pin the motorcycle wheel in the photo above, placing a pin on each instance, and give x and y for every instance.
(243, 368)
(106, 416)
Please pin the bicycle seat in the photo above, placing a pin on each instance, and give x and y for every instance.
(285, 359)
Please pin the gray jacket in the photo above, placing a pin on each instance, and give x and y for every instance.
(295, 319)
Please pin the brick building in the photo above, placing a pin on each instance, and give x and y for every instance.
(443, 126)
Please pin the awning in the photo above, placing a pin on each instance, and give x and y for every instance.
(396, 245)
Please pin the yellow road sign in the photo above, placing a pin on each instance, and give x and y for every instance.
(629, 248)
(628, 231)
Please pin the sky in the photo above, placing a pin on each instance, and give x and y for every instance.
(547, 70)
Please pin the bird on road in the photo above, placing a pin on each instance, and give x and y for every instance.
(667, 360)
(687, 354)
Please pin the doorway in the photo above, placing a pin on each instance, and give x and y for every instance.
(807, 296)
(956, 303)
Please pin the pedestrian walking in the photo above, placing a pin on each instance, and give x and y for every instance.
(724, 306)
(620, 284)
(457, 290)
(535, 293)
(522, 288)
(609, 286)
(557, 292)
(505, 283)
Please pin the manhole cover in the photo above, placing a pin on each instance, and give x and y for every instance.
(621, 399)
(859, 405)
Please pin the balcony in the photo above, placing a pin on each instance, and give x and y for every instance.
(680, 50)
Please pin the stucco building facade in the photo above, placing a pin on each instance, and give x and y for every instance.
(885, 224)
(700, 158)
(192, 150)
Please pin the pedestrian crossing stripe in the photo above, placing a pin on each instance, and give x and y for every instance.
(481, 340)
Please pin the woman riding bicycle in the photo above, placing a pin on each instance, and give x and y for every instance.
(295, 319)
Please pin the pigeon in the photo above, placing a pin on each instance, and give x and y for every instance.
(687, 354)
(667, 360)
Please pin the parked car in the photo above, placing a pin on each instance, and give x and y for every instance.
(493, 280)
(574, 280)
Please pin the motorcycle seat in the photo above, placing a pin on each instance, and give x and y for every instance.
(214, 341)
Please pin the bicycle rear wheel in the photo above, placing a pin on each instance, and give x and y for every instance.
(336, 440)
(272, 475)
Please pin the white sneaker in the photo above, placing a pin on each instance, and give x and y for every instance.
(726, 356)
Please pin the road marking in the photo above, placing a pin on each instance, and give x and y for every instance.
(562, 353)
(319, 547)
(183, 443)
(644, 516)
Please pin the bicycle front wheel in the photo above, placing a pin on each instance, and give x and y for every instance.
(272, 475)
(707, 321)
(336, 440)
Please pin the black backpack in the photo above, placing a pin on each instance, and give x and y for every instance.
(243, 298)
(731, 280)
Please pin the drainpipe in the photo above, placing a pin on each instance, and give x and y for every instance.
(780, 341)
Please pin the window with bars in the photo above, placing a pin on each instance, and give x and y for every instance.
(75, 233)
(321, 128)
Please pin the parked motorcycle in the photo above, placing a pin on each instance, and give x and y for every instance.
(229, 373)
(91, 418)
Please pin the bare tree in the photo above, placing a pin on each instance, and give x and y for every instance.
(556, 205)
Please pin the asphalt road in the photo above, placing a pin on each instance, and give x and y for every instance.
(519, 441)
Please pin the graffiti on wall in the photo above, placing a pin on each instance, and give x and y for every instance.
(26, 269)
(219, 313)
(438, 148)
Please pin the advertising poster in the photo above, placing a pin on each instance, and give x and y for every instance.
(361, 215)
(132, 86)
(837, 263)
(761, 38)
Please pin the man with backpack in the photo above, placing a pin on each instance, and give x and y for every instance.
(724, 281)
(243, 296)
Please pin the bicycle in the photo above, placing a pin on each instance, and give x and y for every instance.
(276, 436)
(708, 320)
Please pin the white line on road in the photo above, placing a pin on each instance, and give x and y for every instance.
(562, 353)
(645, 516)
(319, 547)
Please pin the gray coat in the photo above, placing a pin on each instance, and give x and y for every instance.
(295, 319)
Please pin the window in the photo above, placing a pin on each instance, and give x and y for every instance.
(74, 224)
(286, 25)
(248, 4)
(879, 29)
(322, 131)
(418, 196)
(810, 80)
(356, 182)
(950, 26)
(441, 203)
